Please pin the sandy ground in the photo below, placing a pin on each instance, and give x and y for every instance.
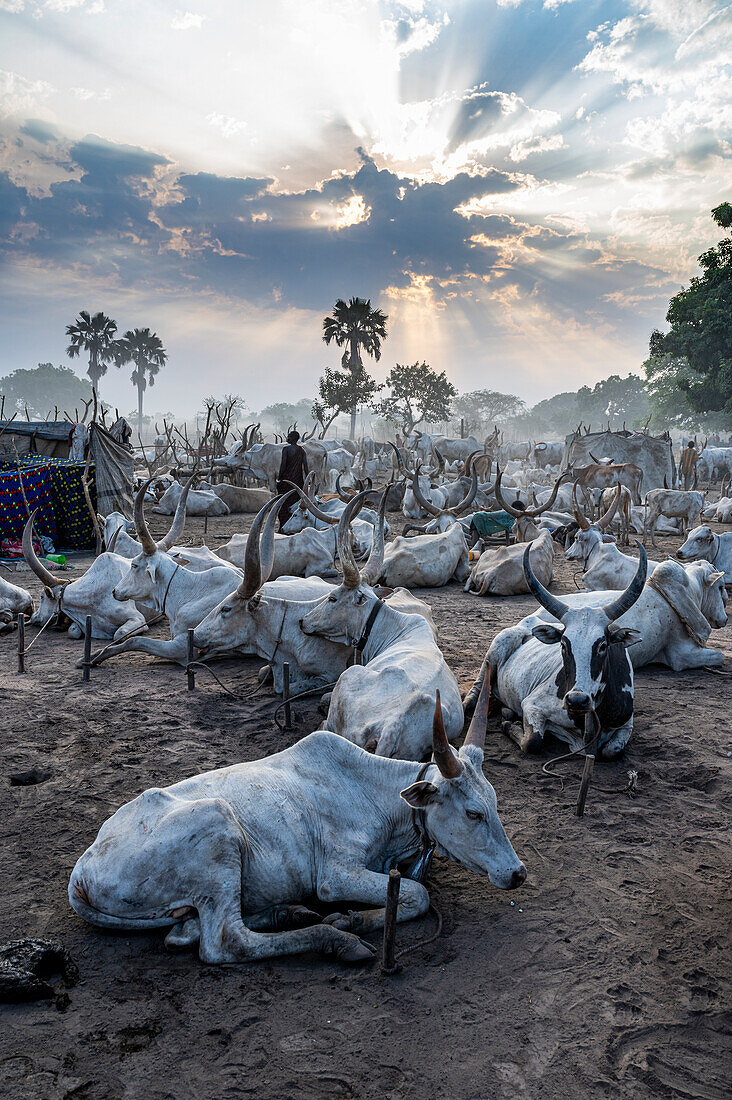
(606, 975)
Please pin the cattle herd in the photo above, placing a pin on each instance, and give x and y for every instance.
(225, 861)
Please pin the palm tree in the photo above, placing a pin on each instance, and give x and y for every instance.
(144, 349)
(358, 326)
(94, 335)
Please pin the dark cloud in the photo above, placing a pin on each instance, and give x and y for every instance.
(477, 116)
(40, 131)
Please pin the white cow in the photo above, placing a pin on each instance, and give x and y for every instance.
(426, 561)
(703, 543)
(499, 570)
(237, 850)
(201, 502)
(14, 600)
(683, 505)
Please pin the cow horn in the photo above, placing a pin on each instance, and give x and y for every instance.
(554, 606)
(477, 728)
(252, 580)
(439, 471)
(179, 519)
(351, 573)
(32, 560)
(469, 496)
(372, 569)
(427, 505)
(143, 531)
(604, 521)
(499, 496)
(267, 540)
(449, 764)
(581, 519)
(340, 492)
(400, 460)
(311, 506)
(625, 601)
(113, 541)
(596, 460)
(536, 512)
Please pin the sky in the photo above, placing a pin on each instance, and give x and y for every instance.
(520, 185)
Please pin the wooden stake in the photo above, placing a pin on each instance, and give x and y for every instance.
(286, 694)
(189, 665)
(87, 649)
(21, 643)
(584, 784)
(388, 965)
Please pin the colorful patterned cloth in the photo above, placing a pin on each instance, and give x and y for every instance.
(53, 485)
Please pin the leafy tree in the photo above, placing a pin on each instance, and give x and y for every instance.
(42, 388)
(615, 401)
(417, 393)
(480, 409)
(284, 413)
(341, 392)
(355, 326)
(94, 335)
(145, 350)
(699, 341)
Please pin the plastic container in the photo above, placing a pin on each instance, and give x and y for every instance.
(58, 559)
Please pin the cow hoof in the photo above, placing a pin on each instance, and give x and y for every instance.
(265, 675)
(287, 917)
(345, 922)
(184, 935)
(351, 949)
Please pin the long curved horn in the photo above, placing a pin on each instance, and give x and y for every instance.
(554, 606)
(252, 580)
(499, 496)
(449, 764)
(440, 463)
(420, 527)
(312, 507)
(469, 496)
(113, 541)
(476, 729)
(625, 601)
(351, 572)
(143, 531)
(400, 460)
(595, 460)
(535, 512)
(581, 519)
(32, 560)
(179, 519)
(372, 569)
(427, 505)
(604, 521)
(267, 541)
(340, 492)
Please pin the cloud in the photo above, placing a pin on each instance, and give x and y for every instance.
(225, 124)
(17, 93)
(187, 21)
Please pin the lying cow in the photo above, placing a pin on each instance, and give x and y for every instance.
(383, 703)
(426, 561)
(201, 502)
(14, 601)
(584, 675)
(237, 499)
(685, 506)
(604, 565)
(499, 570)
(237, 851)
(702, 542)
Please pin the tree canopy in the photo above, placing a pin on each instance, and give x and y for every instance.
(481, 409)
(358, 327)
(42, 388)
(417, 393)
(284, 413)
(340, 392)
(697, 349)
(96, 336)
(144, 349)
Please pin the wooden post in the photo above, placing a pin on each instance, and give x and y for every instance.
(205, 524)
(21, 643)
(462, 427)
(286, 694)
(87, 649)
(584, 784)
(388, 965)
(357, 656)
(189, 664)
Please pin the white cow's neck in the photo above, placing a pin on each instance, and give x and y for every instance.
(390, 625)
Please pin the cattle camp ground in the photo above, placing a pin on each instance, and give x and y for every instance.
(580, 956)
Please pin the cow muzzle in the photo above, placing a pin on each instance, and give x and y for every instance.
(577, 702)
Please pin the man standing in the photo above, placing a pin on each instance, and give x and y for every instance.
(294, 468)
(689, 458)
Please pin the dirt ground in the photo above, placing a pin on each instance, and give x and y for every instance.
(606, 975)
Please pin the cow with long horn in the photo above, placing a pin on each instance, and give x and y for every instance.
(444, 517)
(67, 603)
(604, 564)
(382, 704)
(570, 675)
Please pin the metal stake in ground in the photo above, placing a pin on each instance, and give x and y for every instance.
(586, 774)
(21, 643)
(286, 694)
(87, 649)
(189, 664)
(388, 965)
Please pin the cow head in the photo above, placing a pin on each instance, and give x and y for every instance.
(342, 616)
(443, 518)
(460, 806)
(49, 607)
(141, 580)
(526, 529)
(700, 543)
(592, 645)
(590, 534)
(713, 592)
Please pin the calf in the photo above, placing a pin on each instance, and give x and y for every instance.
(236, 851)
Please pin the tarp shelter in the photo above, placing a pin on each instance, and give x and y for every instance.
(53, 484)
(37, 437)
(653, 453)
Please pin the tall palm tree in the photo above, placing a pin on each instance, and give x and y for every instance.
(144, 349)
(94, 335)
(358, 326)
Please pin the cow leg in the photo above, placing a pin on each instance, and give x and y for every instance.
(685, 654)
(369, 887)
(173, 649)
(281, 918)
(616, 743)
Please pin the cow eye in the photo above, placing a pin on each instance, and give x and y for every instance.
(474, 815)
(331, 599)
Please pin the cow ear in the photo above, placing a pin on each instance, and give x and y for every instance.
(548, 633)
(622, 635)
(712, 578)
(419, 794)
